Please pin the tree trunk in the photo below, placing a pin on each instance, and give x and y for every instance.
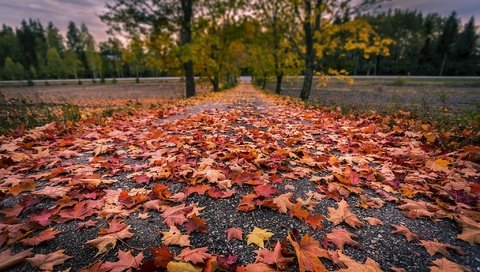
(186, 39)
(443, 64)
(355, 70)
(215, 84)
(264, 81)
(278, 88)
(310, 55)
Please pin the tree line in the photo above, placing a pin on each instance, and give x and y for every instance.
(219, 40)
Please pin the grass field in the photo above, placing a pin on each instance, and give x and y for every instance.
(30, 106)
(390, 93)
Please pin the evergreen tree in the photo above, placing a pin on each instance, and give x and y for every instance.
(448, 39)
(54, 38)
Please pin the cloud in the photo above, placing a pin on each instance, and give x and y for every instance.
(464, 8)
(60, 12)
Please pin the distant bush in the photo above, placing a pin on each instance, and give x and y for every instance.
(400, 82)
(71, 113)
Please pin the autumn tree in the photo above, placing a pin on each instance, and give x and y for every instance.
(134, 55)
(73, 65)
(218, 40)
(149, 16)
(12, 70)
(111, 52)
(54, 67)
(274, 17)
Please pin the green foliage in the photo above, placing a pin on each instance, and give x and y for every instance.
(54, 66)
(400, 82)
(71, 113)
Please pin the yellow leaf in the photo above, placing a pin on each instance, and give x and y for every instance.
(175, 237)
(258, 236)
(182, 267)
(438, 165)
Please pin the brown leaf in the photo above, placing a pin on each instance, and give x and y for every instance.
(125, 261)
(470, 230)
(258, 267)
(195, 256)
(234, 233)
(433, 247)
(105, 242)
(176, 215)
(399, 229)
(175, 237)
(43, 236)
(283, 202)
(48, 261)
(443, 265)
(8, 259)
(337, 216)
(353, 266)
(374, 221)
(272, 257)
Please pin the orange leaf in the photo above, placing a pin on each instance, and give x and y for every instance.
(337, 216)
(410, 236)
(195, 256)
(308, 252)
(341, 237)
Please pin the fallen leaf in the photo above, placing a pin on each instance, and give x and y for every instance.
(399, 229)
(234, 233)
(258, 236)
(175, 237)
(353, 266)
(105, 242)
(259, 267)
(444, 265)
(48, 261)
(195, 223)
(315, 221)
(182, 267)
(43, 236)
(342, 213)
(308, 252)
(433, 247)
(341, 237)
(125, 261)
(195, 256)
(438, 165)
(272, 257)
(470, 230)
(374, 221)
(283, 202)
(9, 260)
(176, 215)
(162, 256)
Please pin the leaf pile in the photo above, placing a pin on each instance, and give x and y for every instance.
(251, 149)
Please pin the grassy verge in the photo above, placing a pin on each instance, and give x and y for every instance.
(18, 115)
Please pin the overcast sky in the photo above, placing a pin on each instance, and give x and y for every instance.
(60, 12)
